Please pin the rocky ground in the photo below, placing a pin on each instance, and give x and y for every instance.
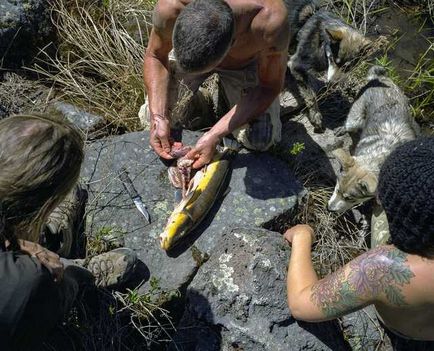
(230, 273)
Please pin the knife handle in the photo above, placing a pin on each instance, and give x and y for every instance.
(128, 183)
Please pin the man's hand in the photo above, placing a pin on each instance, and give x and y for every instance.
(204, 150)
(48, 259)
(304, 230)
(160, 136)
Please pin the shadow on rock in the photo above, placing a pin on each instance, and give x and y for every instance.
(198, 332)
(311, 158)
(334, 109)
(326, 333)
(140, 275)
(262, 176)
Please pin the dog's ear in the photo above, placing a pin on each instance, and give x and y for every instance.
(368, 184)
(344, 158)
(337, 33)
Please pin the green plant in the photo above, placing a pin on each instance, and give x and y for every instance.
(385, 62)
(296, 148)
(421, 83)
(145, 312)
(105, 239)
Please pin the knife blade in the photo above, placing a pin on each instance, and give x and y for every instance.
(134, 195)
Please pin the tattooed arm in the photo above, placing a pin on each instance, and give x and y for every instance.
(377, 275)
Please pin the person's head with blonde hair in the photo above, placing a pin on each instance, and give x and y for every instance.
(40, 160)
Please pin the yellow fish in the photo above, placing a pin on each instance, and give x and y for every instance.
(201, 195)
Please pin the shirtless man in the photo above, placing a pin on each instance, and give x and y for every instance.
(398, 278)
(245, 42)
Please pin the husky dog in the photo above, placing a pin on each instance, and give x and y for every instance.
(324, 44)
(382, 114)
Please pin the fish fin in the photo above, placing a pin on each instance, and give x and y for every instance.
(194, 182)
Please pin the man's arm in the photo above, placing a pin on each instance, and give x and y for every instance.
(156, 75)
(378, 275)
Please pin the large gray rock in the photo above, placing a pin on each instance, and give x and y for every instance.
(25, 26)
(363, 330)
(89, 123)
(261, 188)
(110, 209)
(237, 301)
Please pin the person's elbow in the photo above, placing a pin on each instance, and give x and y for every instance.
(296, 309)
(301, 309)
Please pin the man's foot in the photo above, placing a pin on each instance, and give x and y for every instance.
(62, 229)
(110, 269)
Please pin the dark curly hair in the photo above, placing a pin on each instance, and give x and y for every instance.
(406, 192)
(202, 34)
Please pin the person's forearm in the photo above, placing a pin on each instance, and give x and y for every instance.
(301, 274)
(249, 107)
(156, 76)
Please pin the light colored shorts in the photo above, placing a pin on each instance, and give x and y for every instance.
(380, 234)
(193, 104)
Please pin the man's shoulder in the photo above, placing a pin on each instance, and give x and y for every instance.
(272, 20)
(384, 255)
(166, 12)
(383, 272)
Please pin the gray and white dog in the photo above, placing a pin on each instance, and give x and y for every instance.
(381, 113)
(324, 43)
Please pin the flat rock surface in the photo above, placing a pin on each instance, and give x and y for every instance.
(237, 301)
(261, 188)
(87, 122)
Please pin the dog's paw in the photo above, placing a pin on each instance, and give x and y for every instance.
(315, 118)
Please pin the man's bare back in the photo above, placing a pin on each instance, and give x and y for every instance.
(253, 19)
(261, 35)
(415, 316)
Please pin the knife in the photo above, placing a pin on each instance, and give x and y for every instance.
(132, 192)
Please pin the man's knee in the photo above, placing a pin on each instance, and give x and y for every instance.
(261, 133)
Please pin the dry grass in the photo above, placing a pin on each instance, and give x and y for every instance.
(358, 13)
(19, 95)
(115, 321)
(339, 238)
(99, 63)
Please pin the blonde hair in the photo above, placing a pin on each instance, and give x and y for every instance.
(40, 160)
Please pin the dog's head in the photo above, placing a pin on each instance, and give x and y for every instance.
(346, 44)
(354, 186)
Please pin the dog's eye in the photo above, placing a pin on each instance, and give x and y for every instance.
(347, 197)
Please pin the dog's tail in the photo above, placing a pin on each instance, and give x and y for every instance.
(376, 72)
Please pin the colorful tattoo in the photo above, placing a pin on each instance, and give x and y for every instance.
(382, 270)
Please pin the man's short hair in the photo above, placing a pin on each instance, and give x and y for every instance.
(202, 34)
(406, 192)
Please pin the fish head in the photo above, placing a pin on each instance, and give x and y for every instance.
(178, 226)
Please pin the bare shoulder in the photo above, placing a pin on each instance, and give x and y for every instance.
(383, 272)
(272, 23)
(165, 14)
(380, 275)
